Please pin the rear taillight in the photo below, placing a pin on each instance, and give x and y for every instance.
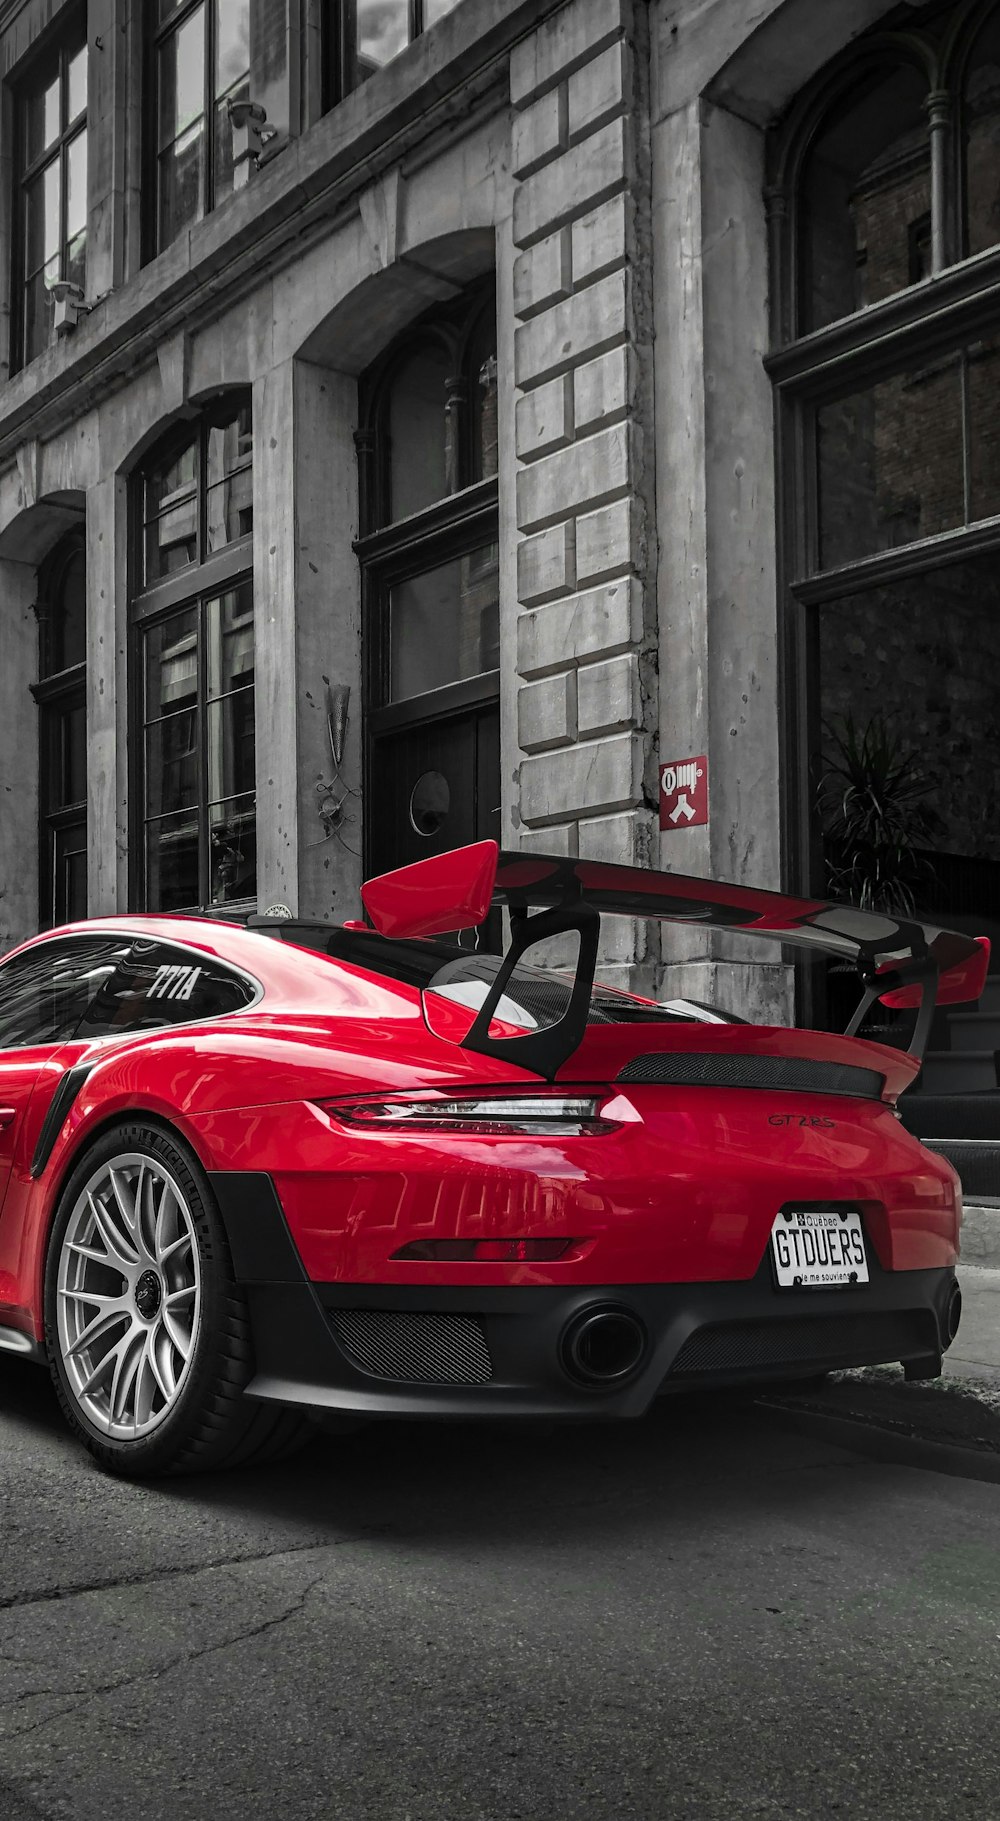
(536, 1115)
(489, 1251)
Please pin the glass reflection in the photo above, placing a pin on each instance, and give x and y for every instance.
(912, 456)
(419, 433)
(865, 191)
(445, 624)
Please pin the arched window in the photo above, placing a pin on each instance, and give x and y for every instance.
(885, 218)
(61, 696)
(193, 666)
(430, 568)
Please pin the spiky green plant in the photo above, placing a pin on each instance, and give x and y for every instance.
(874, 804)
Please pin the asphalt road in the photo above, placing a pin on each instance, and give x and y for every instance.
(708, 1615)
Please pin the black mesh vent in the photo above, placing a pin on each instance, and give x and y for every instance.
(431, 1349)
(791, 1074)
(854, 1340)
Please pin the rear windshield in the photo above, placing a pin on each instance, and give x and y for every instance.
(534, 998)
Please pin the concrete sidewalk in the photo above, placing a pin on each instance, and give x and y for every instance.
(975, 1352)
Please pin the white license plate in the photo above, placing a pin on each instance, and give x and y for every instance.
(824, 1249)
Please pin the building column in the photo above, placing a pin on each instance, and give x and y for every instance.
(586, 686)
(108, 801)
(715, 502)
(328, 643)
(18, 755)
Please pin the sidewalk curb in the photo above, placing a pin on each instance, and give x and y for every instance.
(863, 1436)
(980, 1238)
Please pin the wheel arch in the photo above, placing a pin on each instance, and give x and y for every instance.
(75, 1150)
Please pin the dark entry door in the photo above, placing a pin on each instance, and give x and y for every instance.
(432, 786)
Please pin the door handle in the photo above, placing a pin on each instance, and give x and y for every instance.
(7, 1117)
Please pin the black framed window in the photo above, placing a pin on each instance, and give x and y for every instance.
(362, 36)
(885, 180)
(50, 242)
(204, 56)
(430, 584)
(61, 695)
(193, 668)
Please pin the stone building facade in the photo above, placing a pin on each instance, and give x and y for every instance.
(403, 417)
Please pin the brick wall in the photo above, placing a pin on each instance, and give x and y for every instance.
(583, 438)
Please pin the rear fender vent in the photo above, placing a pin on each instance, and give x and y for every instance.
(785, 1074)
(424, 1349)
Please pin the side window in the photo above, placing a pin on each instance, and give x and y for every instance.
(155, 985)
(45, 992)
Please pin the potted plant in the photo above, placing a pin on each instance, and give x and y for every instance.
(876, 814)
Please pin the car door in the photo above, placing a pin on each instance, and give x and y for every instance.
(44, 993)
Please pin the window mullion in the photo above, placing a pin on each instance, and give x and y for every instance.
(209, 105)
(204, 860)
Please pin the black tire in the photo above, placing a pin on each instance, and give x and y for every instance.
(195, 1418)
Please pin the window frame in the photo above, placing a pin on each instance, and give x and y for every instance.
(390, 551)
(56, 693)
(339, 47)
(155, 37)
(67, 38)
(193, 585)
(928, 318)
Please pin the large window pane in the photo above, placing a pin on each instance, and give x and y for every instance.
(66, 629)
(172, 513)
(232, 44)
(41, 218)
(864, 196)
(916, 664)
(172, 763)
(981, 124)
(436, 9)
(890, 463)
(983, 383)
(233, 850)
(41, 117)
(72, 779)
(76, 85)
(182, 79)
(383, 30)
(418, 432)
(172, 664)
(38, 309)
(172, 862)
(229, 641)
(444, 624)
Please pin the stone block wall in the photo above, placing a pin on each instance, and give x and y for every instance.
(586, 684)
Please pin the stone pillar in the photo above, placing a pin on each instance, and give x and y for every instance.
(583, 438)
(107, 74)
(718, 626)
(18, 754)
(277, 686)
(328, 642)
(108, 799)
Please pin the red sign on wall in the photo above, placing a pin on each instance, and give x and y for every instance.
(684, 793)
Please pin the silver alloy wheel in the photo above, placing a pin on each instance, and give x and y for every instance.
(128, 1295)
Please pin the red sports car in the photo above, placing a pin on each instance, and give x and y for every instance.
(250, 1173)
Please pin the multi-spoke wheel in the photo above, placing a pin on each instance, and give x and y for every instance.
(129, 1295)
(147, 1332)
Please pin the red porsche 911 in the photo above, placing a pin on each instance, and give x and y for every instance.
(249, 1173)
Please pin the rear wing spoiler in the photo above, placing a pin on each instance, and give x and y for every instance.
(900, 961)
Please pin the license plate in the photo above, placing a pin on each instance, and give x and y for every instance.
(822, 1249)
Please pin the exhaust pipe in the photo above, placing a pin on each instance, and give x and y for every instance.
(603, 1347)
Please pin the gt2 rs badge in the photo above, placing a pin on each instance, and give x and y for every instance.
(809, 1120)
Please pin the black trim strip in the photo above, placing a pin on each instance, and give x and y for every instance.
(55, 1118)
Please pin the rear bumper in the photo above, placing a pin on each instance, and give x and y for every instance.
(471, 1352)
